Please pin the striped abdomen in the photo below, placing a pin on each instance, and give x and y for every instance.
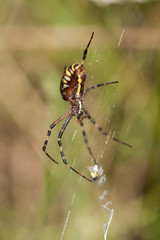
(72, 82)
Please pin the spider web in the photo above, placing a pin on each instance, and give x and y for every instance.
(102, 201)
(104, 204)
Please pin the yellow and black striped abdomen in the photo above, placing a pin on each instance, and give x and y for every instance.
(72, 82)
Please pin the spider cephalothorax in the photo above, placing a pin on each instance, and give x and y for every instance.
(72, 90)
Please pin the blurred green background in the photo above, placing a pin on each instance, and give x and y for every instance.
(37, 39)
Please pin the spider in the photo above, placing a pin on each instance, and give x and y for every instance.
(72, 90)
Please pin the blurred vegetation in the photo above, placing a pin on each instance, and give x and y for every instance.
(36, 195)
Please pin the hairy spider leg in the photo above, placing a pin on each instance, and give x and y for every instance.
(61, 148)
(98, 85)
(86, 50)
(86, 142)
(102, 131)
(49, 134)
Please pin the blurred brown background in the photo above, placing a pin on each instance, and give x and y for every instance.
(37, 39)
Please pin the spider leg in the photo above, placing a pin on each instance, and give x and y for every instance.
(98, 85)
(49, 134)
(86, 50)
(104, 132)
(61, 148)
(86, 141)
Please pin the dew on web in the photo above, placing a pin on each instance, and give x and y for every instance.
(74, 134)
(102, 180)
(100, 171)
(73, 162)
(64, 228)
(113, 134)
(102, 197)
(121, 38)
(107, 139)
(67, 218)
(107, 224)
(104, 203)
(102, 152)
